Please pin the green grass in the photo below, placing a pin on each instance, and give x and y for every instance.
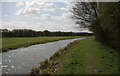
(85, 57)
(17, 42)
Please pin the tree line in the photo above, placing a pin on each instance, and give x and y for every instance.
(102, 18)
(32, 33)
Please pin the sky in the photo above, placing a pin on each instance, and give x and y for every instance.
(38, 15)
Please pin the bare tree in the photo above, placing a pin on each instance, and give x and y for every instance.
(84, 13)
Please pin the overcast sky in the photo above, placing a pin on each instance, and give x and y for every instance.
(37, 15)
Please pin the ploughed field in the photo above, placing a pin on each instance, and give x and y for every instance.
(18, 42)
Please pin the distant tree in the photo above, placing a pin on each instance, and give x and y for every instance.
(47, 33)
(32, 33)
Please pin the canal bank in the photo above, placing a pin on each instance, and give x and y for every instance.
(81, 57)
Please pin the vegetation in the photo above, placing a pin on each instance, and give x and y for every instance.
(102, 18)
(79, 57)
(32, 33)
(13, 42)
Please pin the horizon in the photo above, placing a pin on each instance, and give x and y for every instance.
(49, 31)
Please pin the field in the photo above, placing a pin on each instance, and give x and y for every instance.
(82, 57)
(18, 42)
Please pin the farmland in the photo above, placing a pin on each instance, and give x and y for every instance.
(18, 42)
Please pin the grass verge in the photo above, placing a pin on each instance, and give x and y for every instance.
(81, 57)
(18, 42)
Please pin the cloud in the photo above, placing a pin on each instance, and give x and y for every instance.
(69, 4)
(27, 12)
(46, 16)
(51, 26)
(65, 17)
(14, 25)
(35, 7)
(64, 8)
(67, 1)
(5, 15)
(20, 4)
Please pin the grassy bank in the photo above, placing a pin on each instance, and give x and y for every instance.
(81, 57)
(13, 43)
